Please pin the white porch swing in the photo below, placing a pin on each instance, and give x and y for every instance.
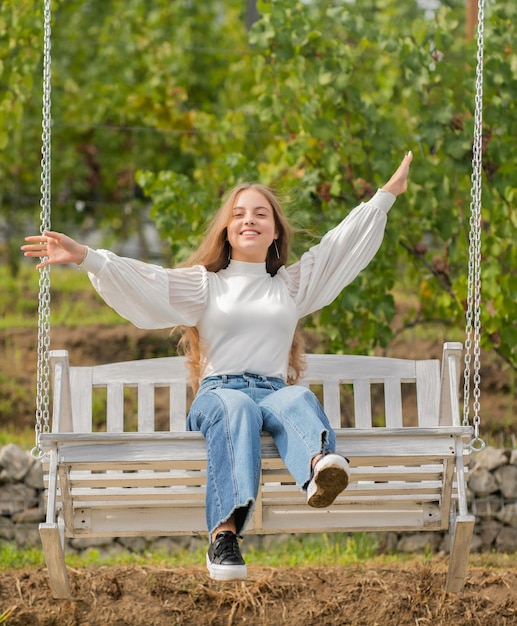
(146, 483)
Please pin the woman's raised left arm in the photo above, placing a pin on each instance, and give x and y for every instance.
(324, 270)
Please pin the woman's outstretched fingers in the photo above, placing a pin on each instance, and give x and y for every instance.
(36, 247)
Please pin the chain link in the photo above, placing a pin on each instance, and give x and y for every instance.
(43, 369)
(473, 323)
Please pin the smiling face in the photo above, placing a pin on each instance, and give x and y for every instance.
(251, 229)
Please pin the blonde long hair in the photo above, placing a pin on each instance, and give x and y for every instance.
(214, 253)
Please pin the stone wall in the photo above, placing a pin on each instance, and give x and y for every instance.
(493, 499)
(21, 496)
(492, 489)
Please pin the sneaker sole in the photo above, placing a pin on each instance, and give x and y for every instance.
(330, 482)
(226, 572)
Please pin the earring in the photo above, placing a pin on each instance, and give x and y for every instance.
(229, 252)
(276, 249)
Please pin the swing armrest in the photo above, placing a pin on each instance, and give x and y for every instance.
(450, 380)
(61, 392)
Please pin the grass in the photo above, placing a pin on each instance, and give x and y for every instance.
(290, 551)
(6, 615)
(12, 557)
(24, 439)
(73, 300)
(318, 550)
(299, 550)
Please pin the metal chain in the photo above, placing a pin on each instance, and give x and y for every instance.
(43, 370)
(473, 324)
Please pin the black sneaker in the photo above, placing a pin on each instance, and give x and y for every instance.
(224, 560)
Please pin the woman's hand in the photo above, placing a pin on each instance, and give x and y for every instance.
(397, 184)
(56, 247)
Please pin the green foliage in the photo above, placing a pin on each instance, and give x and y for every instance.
(344, 91)
(319, 100)
(132, 84)
(19, 51)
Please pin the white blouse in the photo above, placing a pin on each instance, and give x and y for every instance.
(246, 318)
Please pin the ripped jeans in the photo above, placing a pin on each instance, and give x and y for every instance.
(232, 412)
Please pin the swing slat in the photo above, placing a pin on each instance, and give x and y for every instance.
(332, 402)
(81, 398)
(115, 407)
(362, 404)
(406, 475)
(177, 406)
(146, 407)
(393, 402)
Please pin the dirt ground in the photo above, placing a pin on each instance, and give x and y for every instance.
(395, 595)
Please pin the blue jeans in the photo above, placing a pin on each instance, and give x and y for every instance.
(232, 412)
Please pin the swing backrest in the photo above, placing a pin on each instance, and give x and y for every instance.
(356, 392)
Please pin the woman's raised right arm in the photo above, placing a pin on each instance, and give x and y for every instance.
(147, 295)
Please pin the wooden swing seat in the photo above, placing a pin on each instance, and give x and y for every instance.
(152, 483)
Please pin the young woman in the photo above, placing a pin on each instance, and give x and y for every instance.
(239, 306)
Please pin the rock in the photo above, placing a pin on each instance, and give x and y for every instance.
(27, 536)
(387, 541)
(29, 516)
(486, 507)
(133, 544)
(477, 544)
(173, 544)
(506, 540)
(84, 543)
(6, 529)
(17, 497)
(482, 482)
(488, 532)
(491, 458)
(34, 477)
(506, 476)
(15, 463)
(508, 515)
(418, 542)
